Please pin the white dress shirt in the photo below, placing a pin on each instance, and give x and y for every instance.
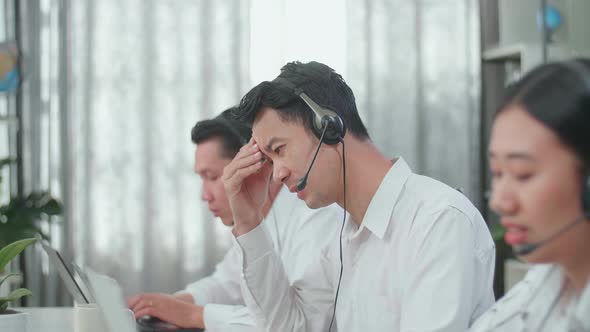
(422, 260)
(295, 232)
(536, 304)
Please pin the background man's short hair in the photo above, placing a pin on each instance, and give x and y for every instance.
(233, 134)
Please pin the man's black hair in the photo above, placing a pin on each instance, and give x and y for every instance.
(233, 134)
(320, 82)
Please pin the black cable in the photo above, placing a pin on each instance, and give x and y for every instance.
(341, 229)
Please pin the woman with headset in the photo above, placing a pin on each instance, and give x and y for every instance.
(539, 158)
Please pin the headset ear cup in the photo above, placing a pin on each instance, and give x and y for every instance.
(321, 117)
(338, 126)
(586, 195)
(335, 132)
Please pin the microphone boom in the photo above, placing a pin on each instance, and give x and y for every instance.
(528, 248)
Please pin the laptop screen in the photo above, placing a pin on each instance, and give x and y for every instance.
(79, 292)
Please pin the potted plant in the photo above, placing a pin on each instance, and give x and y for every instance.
(11, 320)
(21, 217)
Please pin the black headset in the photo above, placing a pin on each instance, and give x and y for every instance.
(586, 195)
(322, 116)
(584, 74)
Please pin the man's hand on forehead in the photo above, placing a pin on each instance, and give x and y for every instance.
(265, 157)
(246, 180)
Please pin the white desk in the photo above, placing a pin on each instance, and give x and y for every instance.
(52, 319)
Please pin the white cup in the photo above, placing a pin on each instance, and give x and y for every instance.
(15, 322)
(88, 318)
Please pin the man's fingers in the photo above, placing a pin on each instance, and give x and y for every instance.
(141, 307)
(248, 160)
(242, 160)
(249, 144)
(132, 301)
(245, 172)
(143, 302)
(144, 312)
(150, 305)
(139, 303)
(237, 179)
(246, 150)
(168, 310)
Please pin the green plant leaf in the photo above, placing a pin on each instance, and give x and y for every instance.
(12, 250)
(3, 306)
(13, 231)
(32, 206)
(50, 206)
(23, 217)
(497, 232)
(16, 294)
(6, 161)
(6, 277)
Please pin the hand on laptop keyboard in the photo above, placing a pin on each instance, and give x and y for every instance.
(167, 308)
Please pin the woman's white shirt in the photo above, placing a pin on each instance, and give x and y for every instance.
(537, 304)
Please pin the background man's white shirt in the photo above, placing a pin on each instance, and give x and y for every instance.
(296, 233)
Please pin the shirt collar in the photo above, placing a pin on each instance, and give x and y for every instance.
(381, 206)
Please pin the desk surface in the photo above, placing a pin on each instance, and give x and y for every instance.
(52, 319)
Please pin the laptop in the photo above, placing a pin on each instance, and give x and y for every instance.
(89, 287)
(74, 282)
(109, 298)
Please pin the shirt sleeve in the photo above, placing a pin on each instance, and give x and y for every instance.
(440, 283)
(223, 286)
(275, 303)
(223, 318)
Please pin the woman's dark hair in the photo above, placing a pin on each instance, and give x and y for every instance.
(320, 82)
(233, 134)
(558, 95)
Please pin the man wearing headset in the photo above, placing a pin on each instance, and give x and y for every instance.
(297, 233)
(415, 254)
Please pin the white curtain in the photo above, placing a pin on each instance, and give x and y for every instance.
(142, 72)
(414, 67)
